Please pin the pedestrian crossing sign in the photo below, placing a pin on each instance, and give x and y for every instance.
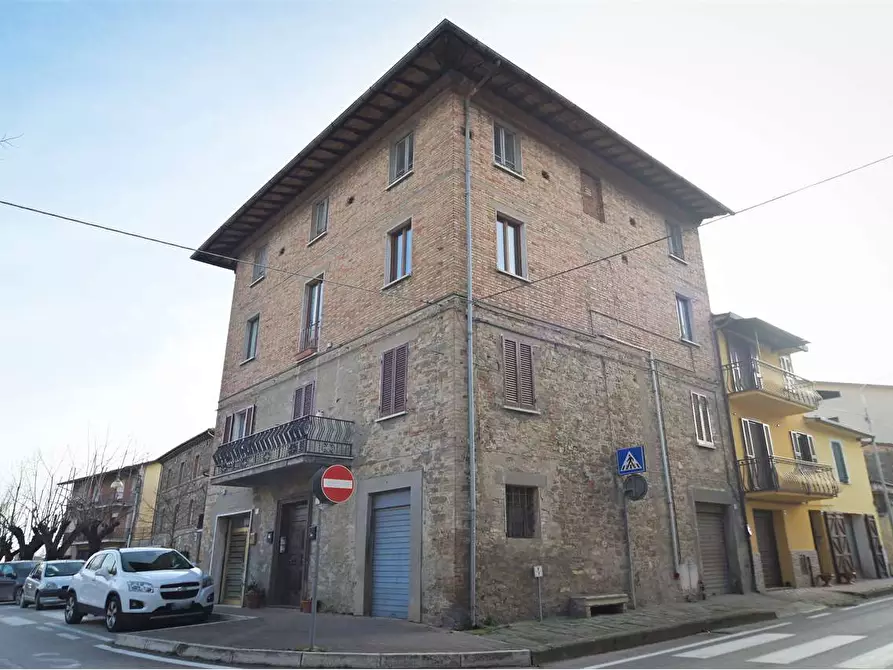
(631, 460)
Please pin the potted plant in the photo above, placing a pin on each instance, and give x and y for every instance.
(254, 596)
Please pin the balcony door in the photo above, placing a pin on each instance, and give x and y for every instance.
(758, 446)
(741, 356)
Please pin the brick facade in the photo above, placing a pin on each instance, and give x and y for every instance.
(594, 393)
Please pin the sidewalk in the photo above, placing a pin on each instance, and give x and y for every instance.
(560, 638)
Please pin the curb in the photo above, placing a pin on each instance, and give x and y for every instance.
(321, 659)
(868, 595)
(638, 638)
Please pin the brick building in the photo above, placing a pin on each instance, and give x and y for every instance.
(347, 343)
(179, 508)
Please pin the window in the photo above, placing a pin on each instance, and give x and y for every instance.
(517, 364)
(674, 238)
(239, 425)
(196, 466)
(506, 148)
(188, 523)
(200, 522)
(251, 331)
(393, 381)
(399, 253)
(182, 470)
(593, 203)
(683, 312)
(804, 448)
(320, 219)
(259, 269)
(703, 427)
(840, 462)
(304, 400)
(95, 562)
(520, 511)
(510, 254)
(312, 315)
(401, 158)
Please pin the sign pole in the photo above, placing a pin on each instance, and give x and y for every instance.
(315, 578)
(629, 551)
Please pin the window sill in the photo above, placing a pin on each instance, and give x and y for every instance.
(247, 360)
(317, 238)
(689, 342)
(522, 410)
(516, 175)
(706, 445)
(678, 259)
(257, 281)
(396, 281)
(304, 354)
(513, 275)
(390, 416)
(399, 179)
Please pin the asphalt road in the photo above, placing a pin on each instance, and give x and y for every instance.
(850, 637)
(32, 639)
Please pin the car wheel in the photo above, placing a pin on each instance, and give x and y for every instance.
(72, 611)
(37, 604)
(20, 598)
(114, 619)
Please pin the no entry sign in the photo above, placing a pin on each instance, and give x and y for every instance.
(334, 484)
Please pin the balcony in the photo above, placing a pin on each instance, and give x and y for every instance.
(762, 390)
(309, 340)
(787, 479)
(285, 450)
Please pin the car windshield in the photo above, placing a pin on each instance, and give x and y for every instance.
(153, 559)
(66, 569)
(24, 569)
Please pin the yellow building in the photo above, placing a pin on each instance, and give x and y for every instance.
(808, 500)
(144, 515)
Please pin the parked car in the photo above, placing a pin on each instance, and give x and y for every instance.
(12, 578)
(134, 585)
(48, 583)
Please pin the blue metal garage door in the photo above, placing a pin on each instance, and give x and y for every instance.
(390, 554)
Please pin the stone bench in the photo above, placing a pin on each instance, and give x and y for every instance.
(585, 606)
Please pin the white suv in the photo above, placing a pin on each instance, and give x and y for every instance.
(136, 584)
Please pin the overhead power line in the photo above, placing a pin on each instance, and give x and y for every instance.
(183, 247)
(666, 237)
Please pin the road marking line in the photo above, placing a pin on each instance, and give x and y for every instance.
(69, 636)
(874, 601)
(54, 615)
(692, 645)
(876, 658)
(102, 638)
(45, 629)
(819, 616)
(157, 659)
(807, 649)
(16, 621)
(734, 645)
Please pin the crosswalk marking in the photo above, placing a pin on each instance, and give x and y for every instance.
(15, 621)
(45, 629)
(734, 645)
(69, 636)
(881, 657)
(53, 614)
(807, 649)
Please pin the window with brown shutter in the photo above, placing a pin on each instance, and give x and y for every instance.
(517, 358)
(393, 381)
(239, 425)
(304, 398)
(593, 202)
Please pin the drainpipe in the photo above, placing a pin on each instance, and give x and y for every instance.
(469, 334)
(664, 452)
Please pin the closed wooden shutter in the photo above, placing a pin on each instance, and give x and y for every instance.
(386, 404)
(304, 398)
(874, 540)
(713, 551)
(525, 376)
(394, 364)
(841, 551)
(591, 188)
(510, 370)
(517, 358)
(228, 429)
(401, 358)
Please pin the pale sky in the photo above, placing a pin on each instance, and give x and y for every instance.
(164, 117)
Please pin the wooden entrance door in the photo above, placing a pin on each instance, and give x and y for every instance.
(290, 565)
(874, 541)
(234, 559)
(841, 551)
(764, 527)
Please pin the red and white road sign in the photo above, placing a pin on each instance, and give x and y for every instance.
(337, 483)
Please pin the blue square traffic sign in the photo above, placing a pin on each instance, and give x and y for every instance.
(631, 460)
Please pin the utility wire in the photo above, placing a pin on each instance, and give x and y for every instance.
(665, 237)
(184, 247)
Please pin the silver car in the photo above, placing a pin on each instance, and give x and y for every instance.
(48, 583)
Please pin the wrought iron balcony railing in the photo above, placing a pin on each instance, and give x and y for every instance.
(310, 337)
(757, 375)
(788, 475)
(317, 435)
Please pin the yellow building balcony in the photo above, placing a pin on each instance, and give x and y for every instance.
(762, 390)
(779, 479)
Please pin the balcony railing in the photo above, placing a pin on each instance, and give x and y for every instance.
(757, 375)
(788, 475)
(315, 435)
(310, 337)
